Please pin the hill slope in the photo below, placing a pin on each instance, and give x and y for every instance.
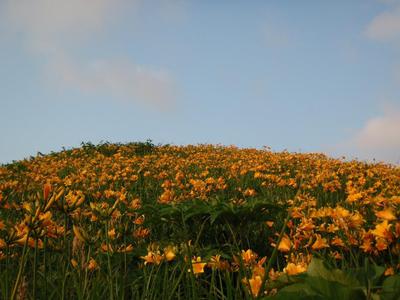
(116, 217)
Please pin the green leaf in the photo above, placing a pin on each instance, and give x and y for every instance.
(317, 268)
(391, 288)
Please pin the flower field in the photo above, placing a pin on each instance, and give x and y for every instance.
(139, 221)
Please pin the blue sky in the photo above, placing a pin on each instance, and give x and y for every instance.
(319, 76)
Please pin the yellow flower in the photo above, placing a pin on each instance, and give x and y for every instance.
(386, 214)
(111, 233)
(382, 230)
(285, 244)
(320, 243)
(169, 253)
(293, 269)
(354, 197)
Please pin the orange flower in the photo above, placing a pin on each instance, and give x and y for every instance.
(285, 244)
(320, 243)
(92, 265)
(152, 258)
(169, 253)
(248, 256)
(111, 233)
(337, 241)
(381, 244)
(306, 225)
(255, 285)
(389, 271)
(382, 230)
(46, 190)
(197, 265)
(354, 197)
(166, 197)
(249, 192)
(386, 214)
(367, 244)
(74, 263)
(269, 223)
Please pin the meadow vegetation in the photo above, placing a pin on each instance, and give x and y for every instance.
(145, 221)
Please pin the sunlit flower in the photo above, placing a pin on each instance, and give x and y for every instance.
(382, 230)
(294, 269)
(386, 214)
(285, 244)
(197, 265)
(320, 243)
(255, 285)
(248, 256)
(152, 258)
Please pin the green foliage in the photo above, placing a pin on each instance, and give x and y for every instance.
(322, 282)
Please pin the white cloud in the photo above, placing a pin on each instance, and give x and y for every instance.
(379, 138)
(385, 26)
(48, 23)
(53, 29)
(121, 79)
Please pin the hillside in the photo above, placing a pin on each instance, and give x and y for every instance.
(140, 221)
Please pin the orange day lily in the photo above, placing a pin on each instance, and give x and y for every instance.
(285, 244)
(197, 265)
(386, 214)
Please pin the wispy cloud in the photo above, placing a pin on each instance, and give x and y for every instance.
(117, 78)
(54, 29)
(386, 25)
(378, 138)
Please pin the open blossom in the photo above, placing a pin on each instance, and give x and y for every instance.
(197, 265)
(294, 269)
(152, 258)
(320, 243)
(248, 256)
(382, 230)
(386, 214)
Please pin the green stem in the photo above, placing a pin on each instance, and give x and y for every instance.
(21, 266)
(109, 264)
(274, 253)
(45, 267)
(35, 269)
(7, 268)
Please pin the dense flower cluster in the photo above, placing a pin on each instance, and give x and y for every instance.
(93, 196)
